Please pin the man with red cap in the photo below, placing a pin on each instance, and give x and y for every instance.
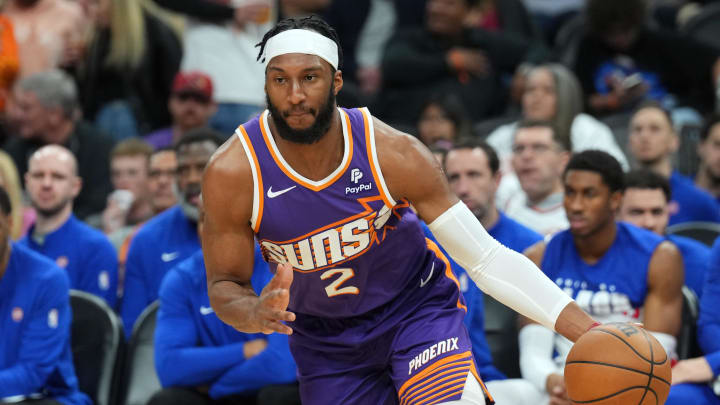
(191, 105)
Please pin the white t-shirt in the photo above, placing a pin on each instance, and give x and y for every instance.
(545, 218)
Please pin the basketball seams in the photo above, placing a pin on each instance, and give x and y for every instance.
(599, 363)
(652, 365)
(628, 345)
(609, 396)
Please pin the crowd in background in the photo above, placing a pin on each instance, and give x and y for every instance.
(110, 110)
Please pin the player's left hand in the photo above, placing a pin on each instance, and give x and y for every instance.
(695, 370)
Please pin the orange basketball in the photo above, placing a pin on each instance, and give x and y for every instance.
(617, 364)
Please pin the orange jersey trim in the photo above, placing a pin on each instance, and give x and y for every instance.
(261, 189)
(371, 159)
(455, 374)
(475, 373)
(348, 140)
(432, 368)
(448, 270)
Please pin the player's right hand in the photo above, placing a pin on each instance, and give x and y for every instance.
(270, 310)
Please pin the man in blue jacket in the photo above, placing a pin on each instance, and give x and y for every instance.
(201, 360)
(646, 203)
(170, 237)
(85, 253)
(35, 359)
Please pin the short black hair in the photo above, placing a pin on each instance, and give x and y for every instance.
(605, 15)
(453, 108)
(710, 123)
(601, 163)
(657, 106)
(5, 204)
(199, 135)
(646, 179)
(312, 23)
(472, 143)
(562, 139)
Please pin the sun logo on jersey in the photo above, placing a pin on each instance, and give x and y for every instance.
(333, 244)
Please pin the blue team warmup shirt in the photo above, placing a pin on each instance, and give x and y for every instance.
(159, 245)
(709, 322)
(696, 259)
(193, 347)
(35, 318)
(693, 204)
(516, 237)
(85, 253)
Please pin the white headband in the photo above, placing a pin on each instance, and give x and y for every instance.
(302, 41)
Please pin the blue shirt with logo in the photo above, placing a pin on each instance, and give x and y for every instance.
(85, 253)
(193, 347)
(516, 237)
(159, 245)
(35, 317)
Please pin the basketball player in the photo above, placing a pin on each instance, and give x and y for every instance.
(374, 312)
(615, 271)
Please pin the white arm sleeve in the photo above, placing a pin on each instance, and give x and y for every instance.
(536, 344)
(506, 275)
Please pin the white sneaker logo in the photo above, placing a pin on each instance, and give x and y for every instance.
(423, 282)
(168, 257)
(272, 194)
(206, 310)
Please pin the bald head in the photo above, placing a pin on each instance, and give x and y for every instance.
(59, 154)
(52, 181)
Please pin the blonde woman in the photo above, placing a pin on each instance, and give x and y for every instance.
(22, 216)
(127, 72)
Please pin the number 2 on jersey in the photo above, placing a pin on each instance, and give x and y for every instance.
(334, 288)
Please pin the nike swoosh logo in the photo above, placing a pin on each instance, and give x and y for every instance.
(423, 282)
(272, 194)
(206, 310)
(168, 257)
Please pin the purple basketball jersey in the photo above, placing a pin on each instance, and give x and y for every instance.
(353, 248)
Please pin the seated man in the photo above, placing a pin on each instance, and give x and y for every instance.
(708, 174)
(615, 271)
(690, 377)
(85, 253)
(645, 204)
(539, 155)
(35, 359)
(653, 142)
(201, 360)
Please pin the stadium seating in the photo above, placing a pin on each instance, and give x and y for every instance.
(140, 380)
(688, 346)
(97, 343)
(502, 336)
(705, 232)
(705, 26)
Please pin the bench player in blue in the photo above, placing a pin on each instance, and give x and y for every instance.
(372, 308)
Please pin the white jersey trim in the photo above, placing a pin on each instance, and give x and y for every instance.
(323, 182)
(374, 158)
(257, 193)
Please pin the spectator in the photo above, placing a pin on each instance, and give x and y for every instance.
(690, 377)
(509, 17)
(44, 111)
(9, 59)
(708, 175)
(35, 360)
(552, 93)
(540, 153)
(49, 33)
(442, 121)
(220, 40)
(126, 74)
(171, 236)
(163, 166)
(615, 271)
(621, 61)
(645, 204)
(445, 56)
(10, 181)
(85, 253)
(472, 168)
(191, 106)
(653, 142)
(194, 348)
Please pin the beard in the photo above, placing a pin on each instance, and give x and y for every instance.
(51, 211)
(191, 211)
(313, 133)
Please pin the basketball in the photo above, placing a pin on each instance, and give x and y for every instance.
(617, 363)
